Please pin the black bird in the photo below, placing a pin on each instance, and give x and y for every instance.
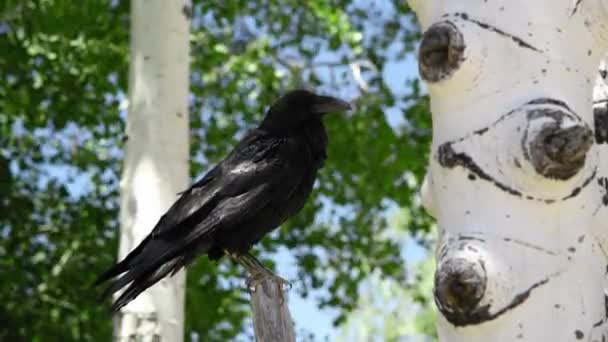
(266, 179)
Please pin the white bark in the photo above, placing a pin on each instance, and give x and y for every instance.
(156, 165)
(514, 180)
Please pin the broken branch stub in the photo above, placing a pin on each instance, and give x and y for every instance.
(556, 143)
(441, 52)
(460, 284)
(271, 317)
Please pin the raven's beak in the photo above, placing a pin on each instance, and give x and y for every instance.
(326, 104)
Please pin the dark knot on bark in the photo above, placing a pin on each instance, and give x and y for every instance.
(441, 51)
(460, 284)
(556, 151)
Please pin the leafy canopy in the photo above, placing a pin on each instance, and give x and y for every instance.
(63, 67)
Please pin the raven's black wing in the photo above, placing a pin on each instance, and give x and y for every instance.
(160, 257)
(231, 193)
(257, 159)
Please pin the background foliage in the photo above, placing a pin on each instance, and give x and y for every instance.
(63, 67)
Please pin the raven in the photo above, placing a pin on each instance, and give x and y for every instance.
(266, 179)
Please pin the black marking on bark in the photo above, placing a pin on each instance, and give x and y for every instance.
(546, 100)
(605, 306)
(469, 238)
(579, 334)
(450, 159)
(483, 314)
(447, 157)
(529, 245)
(495, 29)
(578, 2)
(556, 115)
(577, 190)
(443, 251)
(598, 323)
(571, 249)
(187, 11)
(604, 73)
(481, 131)
(517, 163)
(600, 118)
(472, 177)
(603, 182)
(520, 298)
(581, 238)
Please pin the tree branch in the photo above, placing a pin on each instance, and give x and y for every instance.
(271, 318)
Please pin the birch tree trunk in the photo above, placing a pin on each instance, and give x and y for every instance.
(517, 176)
(156, 164)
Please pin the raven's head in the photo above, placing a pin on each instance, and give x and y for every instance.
(299, 106)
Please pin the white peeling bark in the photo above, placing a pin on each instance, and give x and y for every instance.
(156, 164)
(515, 176)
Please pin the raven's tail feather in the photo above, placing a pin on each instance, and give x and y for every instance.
(124, 265)
(140, 281)
(144, 266)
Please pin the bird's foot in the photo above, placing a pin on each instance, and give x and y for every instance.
(259, 273)
(258, 278)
